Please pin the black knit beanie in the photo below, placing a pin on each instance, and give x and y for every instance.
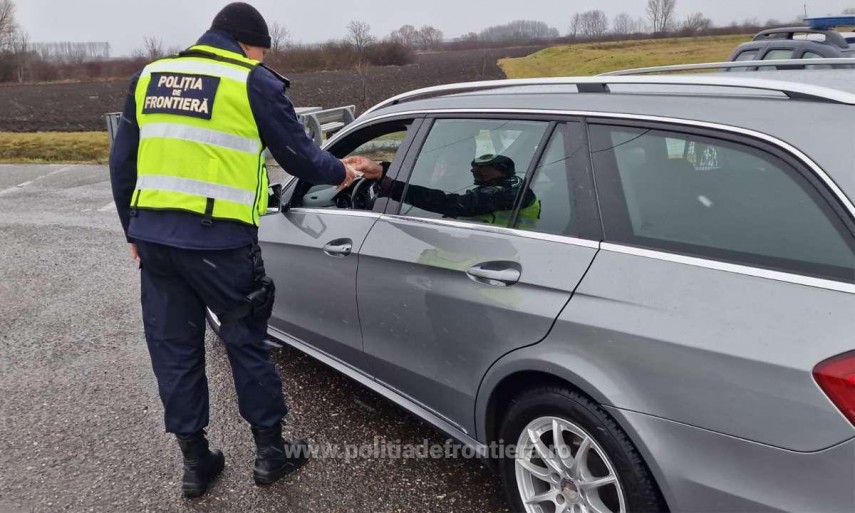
(244, 23)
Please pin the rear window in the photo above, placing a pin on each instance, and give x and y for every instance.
(716, 199)
(749, 55)
(814, 55)
(780, 54)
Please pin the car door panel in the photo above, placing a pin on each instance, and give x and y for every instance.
(467, 293)
(444, 329)
(305, 253)
(312, 251)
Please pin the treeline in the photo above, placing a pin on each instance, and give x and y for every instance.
(67, 51)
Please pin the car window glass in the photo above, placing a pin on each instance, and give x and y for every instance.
(382, 148)
(814, 55)
(380, 144)
(718, 199)
(780, 54)
(552, 208)
(749, 55)
(471, 170)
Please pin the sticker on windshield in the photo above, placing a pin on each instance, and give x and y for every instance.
(181, 94)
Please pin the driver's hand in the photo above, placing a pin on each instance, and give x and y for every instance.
(372, 170)
(351, 174)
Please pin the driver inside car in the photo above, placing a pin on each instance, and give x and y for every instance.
(491, 201)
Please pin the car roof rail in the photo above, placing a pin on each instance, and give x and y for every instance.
(600, 84)
(788, 63)
(831, 37)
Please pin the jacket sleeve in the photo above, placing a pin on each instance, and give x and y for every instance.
(481, 201)
(123, 158)
(284, 135)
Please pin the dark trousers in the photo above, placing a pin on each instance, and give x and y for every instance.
(177, 284)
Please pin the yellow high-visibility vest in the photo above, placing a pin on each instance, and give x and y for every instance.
(200, 150)
(527, 220)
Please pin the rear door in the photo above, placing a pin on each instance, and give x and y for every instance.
(442, 297)
(311, 250)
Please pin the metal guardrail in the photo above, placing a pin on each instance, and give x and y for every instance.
(321, 124)
(113, 120)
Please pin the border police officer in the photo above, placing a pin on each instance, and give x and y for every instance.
(190, 184)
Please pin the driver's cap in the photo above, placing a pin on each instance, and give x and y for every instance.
(500, 162)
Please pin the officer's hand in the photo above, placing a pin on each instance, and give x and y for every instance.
(372, 170)
(350, 175)
(134, 253)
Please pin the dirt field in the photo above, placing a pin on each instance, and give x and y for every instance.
(81, 106)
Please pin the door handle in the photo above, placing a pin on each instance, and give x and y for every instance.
(339, 248)
(497, 274)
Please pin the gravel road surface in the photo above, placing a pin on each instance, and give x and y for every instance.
(81, 421)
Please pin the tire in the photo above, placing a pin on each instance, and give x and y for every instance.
(610, 478)
(213, 321)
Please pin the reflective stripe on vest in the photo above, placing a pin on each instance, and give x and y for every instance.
(196, 188)
(200, 150)
(200, 135)
(212, 68)
(528, 217)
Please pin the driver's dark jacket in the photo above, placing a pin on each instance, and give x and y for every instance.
(484, 200)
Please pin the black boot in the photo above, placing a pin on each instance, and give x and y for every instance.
(276, 458)
(201, 465)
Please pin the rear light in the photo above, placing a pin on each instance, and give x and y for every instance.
(836, 377)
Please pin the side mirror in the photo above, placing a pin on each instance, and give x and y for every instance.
(274, 202)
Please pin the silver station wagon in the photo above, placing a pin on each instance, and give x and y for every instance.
(645, 285)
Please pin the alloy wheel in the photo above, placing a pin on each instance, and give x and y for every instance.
(560, 468)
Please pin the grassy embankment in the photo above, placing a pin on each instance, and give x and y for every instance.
(582, 59)
(54, 147)
(596, 58)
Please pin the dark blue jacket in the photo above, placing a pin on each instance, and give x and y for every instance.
(281, 132)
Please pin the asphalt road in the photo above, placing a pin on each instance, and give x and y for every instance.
(81, 421)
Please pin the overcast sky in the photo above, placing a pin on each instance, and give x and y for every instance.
(124, 24)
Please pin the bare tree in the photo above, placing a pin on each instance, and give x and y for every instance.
(520, 31)
(750, 24)
(623, 24)
(151, 50)
(359, 35)
(67, 51)
(407, 35)
(430, 38)
(661, 14)
(575, 25)
(696, 24)
(22, 54)
(8, 27)
(594, 24)
(280, 38)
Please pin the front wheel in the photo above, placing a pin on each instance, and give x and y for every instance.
(572, 458)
